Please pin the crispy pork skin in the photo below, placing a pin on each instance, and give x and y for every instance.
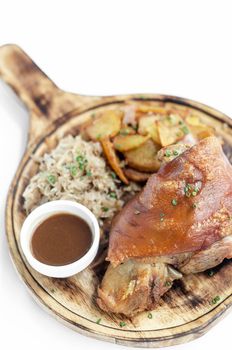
(180, 223)
(185, 207)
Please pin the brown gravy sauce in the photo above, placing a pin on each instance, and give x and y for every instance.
(61, 239)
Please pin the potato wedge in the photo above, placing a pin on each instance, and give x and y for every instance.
(136, 175)
(202, 134)
(112, 158)
(171, 129)
(193, 120)
(146, 108)
(144, 158)
(199, 130)
(148, 126)
(108, 124)
(125, 143)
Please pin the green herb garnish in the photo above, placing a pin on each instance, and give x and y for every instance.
(135, 127)
(194, 206)
(215, 300)
(82, 161)
(168, 153)
(194, 193)
(168, 284)
(105, 209)
(51, 179)
(112, 195)
(88, 173)
(185, 130)
(149, 315)
(124, 132)
(122, 324)
(175, 153)
(73, 170)
(113, 175)
(211, 273)
(98, 321)
(174, 202)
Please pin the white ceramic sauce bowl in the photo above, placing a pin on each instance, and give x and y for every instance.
(43, 212)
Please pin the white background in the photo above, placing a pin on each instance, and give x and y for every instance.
(98, 48)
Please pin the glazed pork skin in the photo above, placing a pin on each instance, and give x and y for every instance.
(182, 218)
(185, 207)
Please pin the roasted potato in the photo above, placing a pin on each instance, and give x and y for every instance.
(136, 175)
(125, 143)
(148, 126)
(108, 124)
(171, 129)
(111, 156)
(146, 108)
(144, 158)
(199, 129)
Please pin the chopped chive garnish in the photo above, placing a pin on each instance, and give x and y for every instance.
(168, 153)
(211, 273)
(98, 321)
(175, 153)
(122, 324)
(73, 170)
(105, 209)
(113, 175)
(215, 300)
(194, 206)
(194, 193)
(88, 173)
(135, 127)
(149, 315)
(51, 179)
(112, 195)
(167, 284)
(162, 215)
(185, 130)
(79, 159)
(174, 202)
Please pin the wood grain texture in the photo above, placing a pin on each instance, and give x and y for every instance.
(186, 311)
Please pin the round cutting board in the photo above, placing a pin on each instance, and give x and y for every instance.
(186, 311)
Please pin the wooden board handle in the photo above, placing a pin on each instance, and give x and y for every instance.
(45, 101)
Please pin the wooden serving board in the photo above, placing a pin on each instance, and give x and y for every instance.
(186, 311)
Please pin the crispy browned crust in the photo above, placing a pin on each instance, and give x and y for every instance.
(152, 225)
